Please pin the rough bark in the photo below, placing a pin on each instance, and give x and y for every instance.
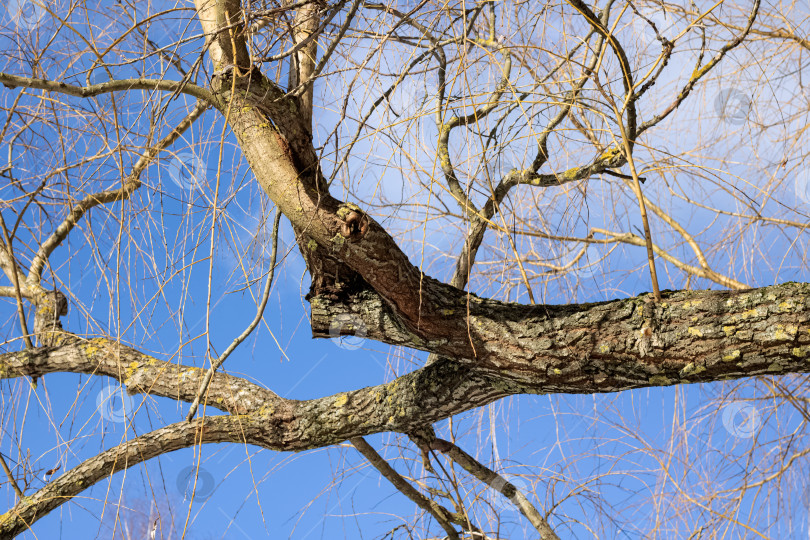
(488, 349)
(690, 337)
(589, 348)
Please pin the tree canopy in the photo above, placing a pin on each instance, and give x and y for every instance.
(263, 262)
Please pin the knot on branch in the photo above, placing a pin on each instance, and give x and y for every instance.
(50, 307)
(355, 225)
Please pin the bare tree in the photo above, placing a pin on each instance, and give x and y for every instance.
(495, 185)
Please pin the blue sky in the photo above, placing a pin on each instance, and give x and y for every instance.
(590, 455)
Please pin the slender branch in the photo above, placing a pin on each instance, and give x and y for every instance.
(778, 33)
(708, 273)
(629, 238)
(304, 42)
(700, 72)
(445, 128)
(302, 63)
(628, 155)
(264, 16)
(383, 98)
(480, 222)
(16, 279)
(623, 176)
(130, 184)
(127, 454)
(669, 220)
(667, 47)
(439, 513)
(243, 336)
(11, 479)
(122, 85)
(11, 292)
(624, 63)
(497, 482)
(306, 86)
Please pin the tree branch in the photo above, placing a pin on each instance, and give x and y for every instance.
(16, 280)
(161, 441)
(139, 372)
(121, 85)
(691, 336)
(439, 513)
(130, 184)
(252, 326)
(497, 482)
(10, 477)
(700, 72)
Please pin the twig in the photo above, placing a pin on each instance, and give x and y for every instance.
(432, 507)
(243, 336)
(707, 273)
(15, 278)
(11, 479)
(130, 184)
(497, 482)
(624, 176)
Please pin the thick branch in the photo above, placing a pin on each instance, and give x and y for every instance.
(588, 348)
(696, 336)
(414, 400)
(140, 373)
(130, 453)
(420, 398)
(692, 336)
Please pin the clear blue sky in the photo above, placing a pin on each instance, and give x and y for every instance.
(246, 492)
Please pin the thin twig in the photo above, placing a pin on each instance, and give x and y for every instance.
(130, 184)
(641, 179)
(11, 479)
(497, 482)
(243, 336)
(432, 507)
(707, 273)
(15, 278)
